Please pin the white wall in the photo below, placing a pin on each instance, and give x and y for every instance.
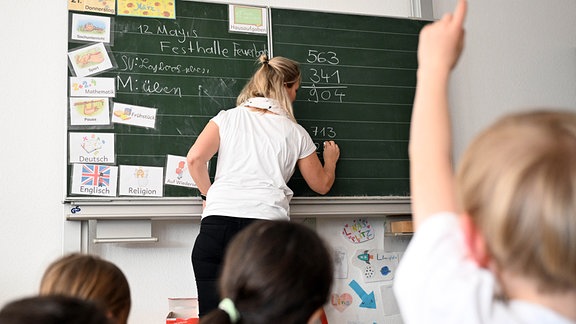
(32, 127)
(519, 53)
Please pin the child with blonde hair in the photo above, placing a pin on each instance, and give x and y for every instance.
(495, 243)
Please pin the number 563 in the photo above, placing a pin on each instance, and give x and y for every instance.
(329, 57)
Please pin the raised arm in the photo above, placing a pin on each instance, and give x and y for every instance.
(200, 153)
(320, 178)
(431, 173)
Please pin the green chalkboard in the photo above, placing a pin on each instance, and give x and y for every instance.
(358, 84)
(188, 68)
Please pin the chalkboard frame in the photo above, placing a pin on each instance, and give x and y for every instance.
(366, 200)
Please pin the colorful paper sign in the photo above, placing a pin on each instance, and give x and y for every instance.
(368, 299)
(375, 264)
(143, 8)
(341, 302)
(99, 6)
(143, 181)
(94, 180)
(92, 87)
(134, 115)
(91, 148)
(359, 231)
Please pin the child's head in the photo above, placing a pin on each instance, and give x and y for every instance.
(517, 181)
(53, 310)
(91, 278)
(276, 272)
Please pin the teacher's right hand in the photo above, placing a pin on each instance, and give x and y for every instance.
(331, 152)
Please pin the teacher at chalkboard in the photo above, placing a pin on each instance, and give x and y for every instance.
(259, 145)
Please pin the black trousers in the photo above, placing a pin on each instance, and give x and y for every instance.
(216, 232)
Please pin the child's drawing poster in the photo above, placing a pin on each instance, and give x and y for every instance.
(342, 301)
(375, 264)
(358, 231)
(356, 296)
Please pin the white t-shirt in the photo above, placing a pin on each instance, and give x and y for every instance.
(257, 156)
(437, 283)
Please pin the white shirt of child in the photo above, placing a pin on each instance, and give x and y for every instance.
(257, 156)
(437, 283)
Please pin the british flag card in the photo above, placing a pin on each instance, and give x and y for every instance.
(94, 180)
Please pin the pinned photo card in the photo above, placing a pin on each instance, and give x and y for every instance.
(90, 60)
(375, 264)
(389, 300)
(92, 87)
(89, 111)
(138, 180)
(134, 115)
(177, 172)
(151, 9)
(340, 260)
(247, 19)
(358, 231)
(94, 180)
(89, 28)
(91, 148)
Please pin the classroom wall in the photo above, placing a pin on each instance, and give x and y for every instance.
(519, 54)
(32, 129)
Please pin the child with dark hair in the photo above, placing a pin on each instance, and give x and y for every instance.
(53, 310)
(274, 272)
